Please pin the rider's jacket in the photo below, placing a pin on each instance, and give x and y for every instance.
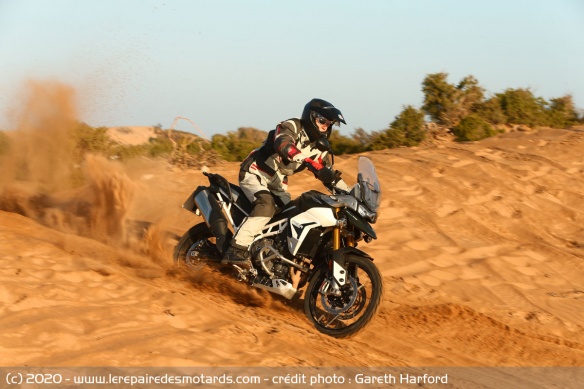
(283, 151)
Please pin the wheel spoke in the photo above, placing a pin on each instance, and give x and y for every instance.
(347, 313)
(324, 321)
(196, 248)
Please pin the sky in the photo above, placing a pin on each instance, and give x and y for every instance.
(253, 63)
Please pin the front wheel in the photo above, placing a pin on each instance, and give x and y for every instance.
(196, 248)
(342, 312)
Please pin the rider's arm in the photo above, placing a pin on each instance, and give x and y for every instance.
(327, 161)
(285, 142)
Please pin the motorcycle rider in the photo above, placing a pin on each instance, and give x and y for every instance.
(287, 150)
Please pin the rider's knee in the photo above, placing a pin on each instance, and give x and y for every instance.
(264, 204)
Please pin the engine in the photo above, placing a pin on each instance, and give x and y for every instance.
(266, 255)
(273, 269)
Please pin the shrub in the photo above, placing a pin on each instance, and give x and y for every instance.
(341, 144)
(90, 140)
(522, 107)
(406, 130)
(362, 138)
(472, 128)
(410, 122)
(562, 112)
(125, 152)
(235, 146)
(159, 146)
(447, 104)
(388, 139)
(491, 111)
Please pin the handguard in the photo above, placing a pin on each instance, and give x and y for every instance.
(326, 175)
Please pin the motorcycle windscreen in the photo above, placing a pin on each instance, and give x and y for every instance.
(369, 186)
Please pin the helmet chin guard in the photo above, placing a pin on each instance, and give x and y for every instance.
(325, 109)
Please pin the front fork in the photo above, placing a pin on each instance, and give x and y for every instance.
(339, 273)
(349, 239)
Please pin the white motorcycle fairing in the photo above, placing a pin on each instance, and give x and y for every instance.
(302, 224)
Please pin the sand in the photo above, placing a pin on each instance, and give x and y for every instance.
(131, 135)
(481, 248)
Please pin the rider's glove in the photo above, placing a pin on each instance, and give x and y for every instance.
(321, 172)
(316, 166)
(326, 175)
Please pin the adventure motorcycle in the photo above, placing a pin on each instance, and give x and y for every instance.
(310, 241)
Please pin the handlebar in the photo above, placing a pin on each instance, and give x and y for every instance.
(328, 177)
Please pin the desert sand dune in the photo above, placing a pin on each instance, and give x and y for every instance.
(481, 247)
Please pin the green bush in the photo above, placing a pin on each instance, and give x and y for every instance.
(237, 145)
(410, 122)
(362, 138)
(522, 107)
(90, 140)
(447, 104)
(160, 146)
(472, 128)
(491, 111)
(341, 144)
(562, 112)
(96, 141)
(406, 130)
(125, 152)
(388, 139)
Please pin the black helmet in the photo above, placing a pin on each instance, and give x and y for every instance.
(315, 108)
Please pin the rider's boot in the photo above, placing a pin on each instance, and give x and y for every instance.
(236, 254)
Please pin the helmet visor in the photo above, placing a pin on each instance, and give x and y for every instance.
(320, 120)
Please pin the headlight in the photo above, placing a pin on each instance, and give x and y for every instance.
(366, 213)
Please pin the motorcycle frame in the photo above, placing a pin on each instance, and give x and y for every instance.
(218, 216)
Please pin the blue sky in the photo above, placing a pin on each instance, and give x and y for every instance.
(228, 64)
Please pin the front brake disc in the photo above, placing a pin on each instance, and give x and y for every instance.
(339, 304)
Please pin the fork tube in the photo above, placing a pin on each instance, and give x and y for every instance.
(337, 232)
(351, 240)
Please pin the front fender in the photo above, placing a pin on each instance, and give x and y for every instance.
(340, 254)
(338, 262)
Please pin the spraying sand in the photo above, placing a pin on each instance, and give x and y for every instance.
(481, 250)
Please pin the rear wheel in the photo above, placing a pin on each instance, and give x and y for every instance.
(196, 248)
(342, 312)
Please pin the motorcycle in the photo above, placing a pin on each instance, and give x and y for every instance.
(311, 241)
